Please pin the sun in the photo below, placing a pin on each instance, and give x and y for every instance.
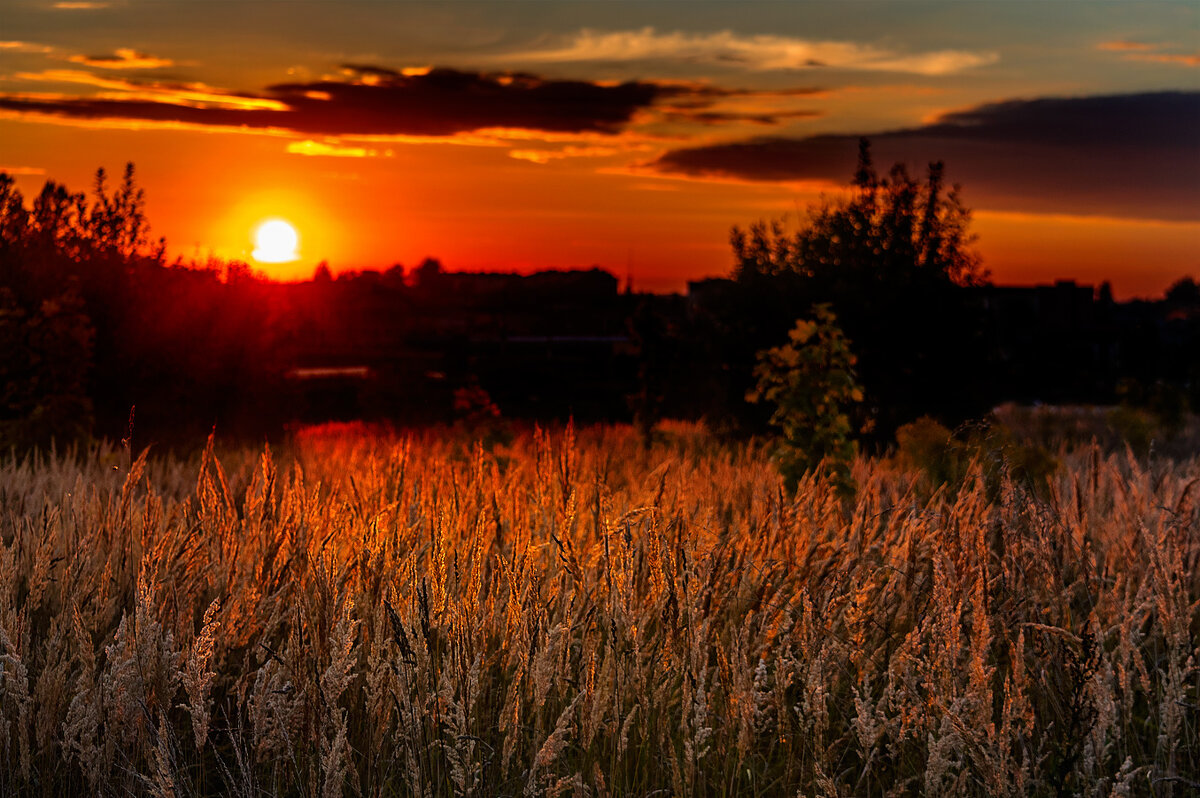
(275, 241)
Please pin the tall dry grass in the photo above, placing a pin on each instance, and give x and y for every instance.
(574, 615)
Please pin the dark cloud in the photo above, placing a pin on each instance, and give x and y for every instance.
(447, 101)
(123, 58)
(370, 69)
(380, 101)
(1129, 155)
(692, 95)
(703, 117)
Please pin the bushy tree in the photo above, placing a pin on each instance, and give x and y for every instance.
(67, 273)
(891, 257)
(810, 383)
(889, 231)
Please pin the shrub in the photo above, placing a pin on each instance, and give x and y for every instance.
(946, 458)
(811, 383)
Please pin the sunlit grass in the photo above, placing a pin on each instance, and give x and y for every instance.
(574, 614)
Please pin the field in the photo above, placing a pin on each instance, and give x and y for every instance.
(571, 614)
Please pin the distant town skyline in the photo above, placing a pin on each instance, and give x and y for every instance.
(630, 136)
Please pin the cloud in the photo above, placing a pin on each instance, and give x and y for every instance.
(374, 102)
(123, 58)
(319, 148)
(76, 76)
(546, 156)
(22, 170)
(1133, 155)
(707, 117)
(81, 6)
(1126, 45)
(1150, 52)
(122, 90)
(448, 101)
(24, 47)
(1183, 59)
(756, 52)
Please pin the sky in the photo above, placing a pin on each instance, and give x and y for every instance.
(630, 136)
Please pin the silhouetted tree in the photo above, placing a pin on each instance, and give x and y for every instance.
(894, 231)
(43, 388)
(117, 222)
(96, 320)
(46, 335)
(890, 257)
(394, 276)
(887, 234)
(1184, 292)
(428, 274)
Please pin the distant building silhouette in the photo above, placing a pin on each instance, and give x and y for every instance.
(548, 344)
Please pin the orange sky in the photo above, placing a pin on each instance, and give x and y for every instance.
(629, 136)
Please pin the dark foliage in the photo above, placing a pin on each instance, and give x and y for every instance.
(892, 259)
(810, 384)
(98, 323)
(95, 322)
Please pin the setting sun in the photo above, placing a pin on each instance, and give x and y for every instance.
(275, 241)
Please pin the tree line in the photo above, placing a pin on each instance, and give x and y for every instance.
(863, 317)
(98, 325)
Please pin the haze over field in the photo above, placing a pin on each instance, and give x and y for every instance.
(631, 136)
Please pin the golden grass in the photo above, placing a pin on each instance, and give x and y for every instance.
(578, 616)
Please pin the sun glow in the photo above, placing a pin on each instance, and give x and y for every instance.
(275, 241)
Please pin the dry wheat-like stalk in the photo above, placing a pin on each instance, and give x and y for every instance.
(571, 613)
(197, 679)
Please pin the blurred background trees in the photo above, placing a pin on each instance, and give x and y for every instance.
(43, 373)
(94, 321)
